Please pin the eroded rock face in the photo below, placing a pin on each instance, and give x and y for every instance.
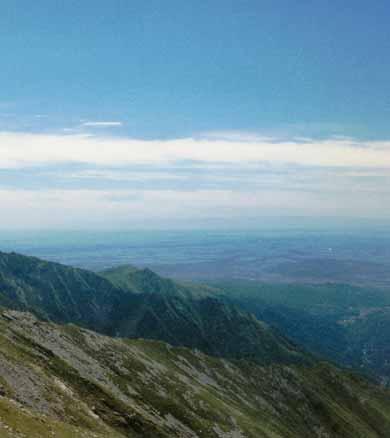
(74, 382)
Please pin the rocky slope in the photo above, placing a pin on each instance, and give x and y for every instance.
(64, 381)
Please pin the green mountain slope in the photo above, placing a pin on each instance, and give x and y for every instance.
(57, 292)
(146, 306)
(135, 280)
(189, 315)
(347, 324)
(64, 381)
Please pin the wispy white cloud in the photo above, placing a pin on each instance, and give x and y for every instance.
(102, 124)
(123, 175)
(26, 149)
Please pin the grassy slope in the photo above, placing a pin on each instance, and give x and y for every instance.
(75, 383)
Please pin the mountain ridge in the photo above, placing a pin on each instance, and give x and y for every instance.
(157, 309)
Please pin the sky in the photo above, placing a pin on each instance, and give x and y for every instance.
(193, 114)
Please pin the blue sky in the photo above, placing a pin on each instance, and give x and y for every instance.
(288, 102)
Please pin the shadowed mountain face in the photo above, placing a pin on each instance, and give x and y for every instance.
(68, 382)
(57, 292)
(132, 303)
(343, 323)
